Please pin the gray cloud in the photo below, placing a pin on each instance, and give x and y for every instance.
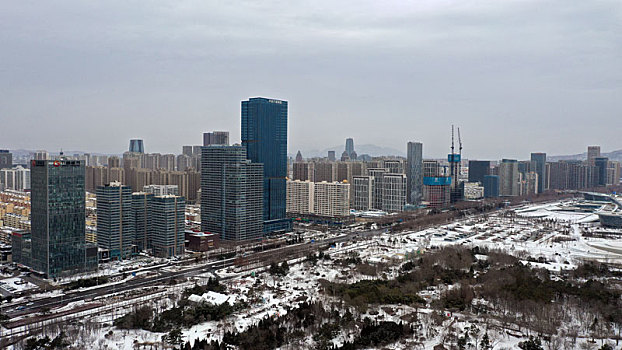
(517, 76)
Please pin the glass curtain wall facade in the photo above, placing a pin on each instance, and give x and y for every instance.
(115, 220)
(232, 194)
(264, 134)
(414, 172)
(538, 165)
(58, 217)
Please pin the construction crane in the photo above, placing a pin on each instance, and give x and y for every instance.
(460, 144)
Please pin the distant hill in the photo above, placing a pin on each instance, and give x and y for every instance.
(372, 150)
(613, 155)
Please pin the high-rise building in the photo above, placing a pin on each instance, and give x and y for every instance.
(168, 225)
(394, 166)
(613, 173)
(325, 171)
(437, 191)
(377, 190)
(304, 171)
(331, 199)
(508, 177)
(6, 159)
(299, 157)
(349, 146)
(162, 190)
(478, 169)
(538, 165)
(393, 192)
(601, 164)
(216, 138)
(414, 172)
(331, 156)
(41, 155)
(264, 134)
(183, 162)
(115, 220)
(58, 217)
(592, 153)
(300, 196)
(528, 183)
(231, 194)
(114, 162)
(431, 168)
(137, 146)
(491, 186)
(186, 151)
(17, 178)
(141, 213)
(363, 192)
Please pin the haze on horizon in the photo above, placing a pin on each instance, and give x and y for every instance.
(516, 76)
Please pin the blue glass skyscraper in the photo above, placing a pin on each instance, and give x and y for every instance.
(264, 134)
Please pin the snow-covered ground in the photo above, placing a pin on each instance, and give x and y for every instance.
(544, 236)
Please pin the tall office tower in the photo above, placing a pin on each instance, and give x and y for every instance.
(508, 177)
(431, 168)
(393, 192)
(303, 171)
(414, 172)
(350, 149)
(478, 169)
(58, 217)
(168, 225)
(41, 155)
(362, 190)
(300, 195)
(216, 138)
(183, 162)
(331, 199)
(162, 190)
(115, 220)
(114, 162)
(299, 157)
(231, 193)
(538, 165)
(491, 186)
(264, 134)
(331, 156)
(437, 191)
(136, 146)
(592, 153)
(6, 159)
(601, 164)
(141, 213)
(186, 150)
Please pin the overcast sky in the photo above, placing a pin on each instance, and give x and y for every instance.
(516, 76)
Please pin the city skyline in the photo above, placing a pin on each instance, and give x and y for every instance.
(380, 73)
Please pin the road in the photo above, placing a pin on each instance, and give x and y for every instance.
(163, 276)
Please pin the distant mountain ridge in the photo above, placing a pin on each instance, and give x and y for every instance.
(372, 150)
(613, 155)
